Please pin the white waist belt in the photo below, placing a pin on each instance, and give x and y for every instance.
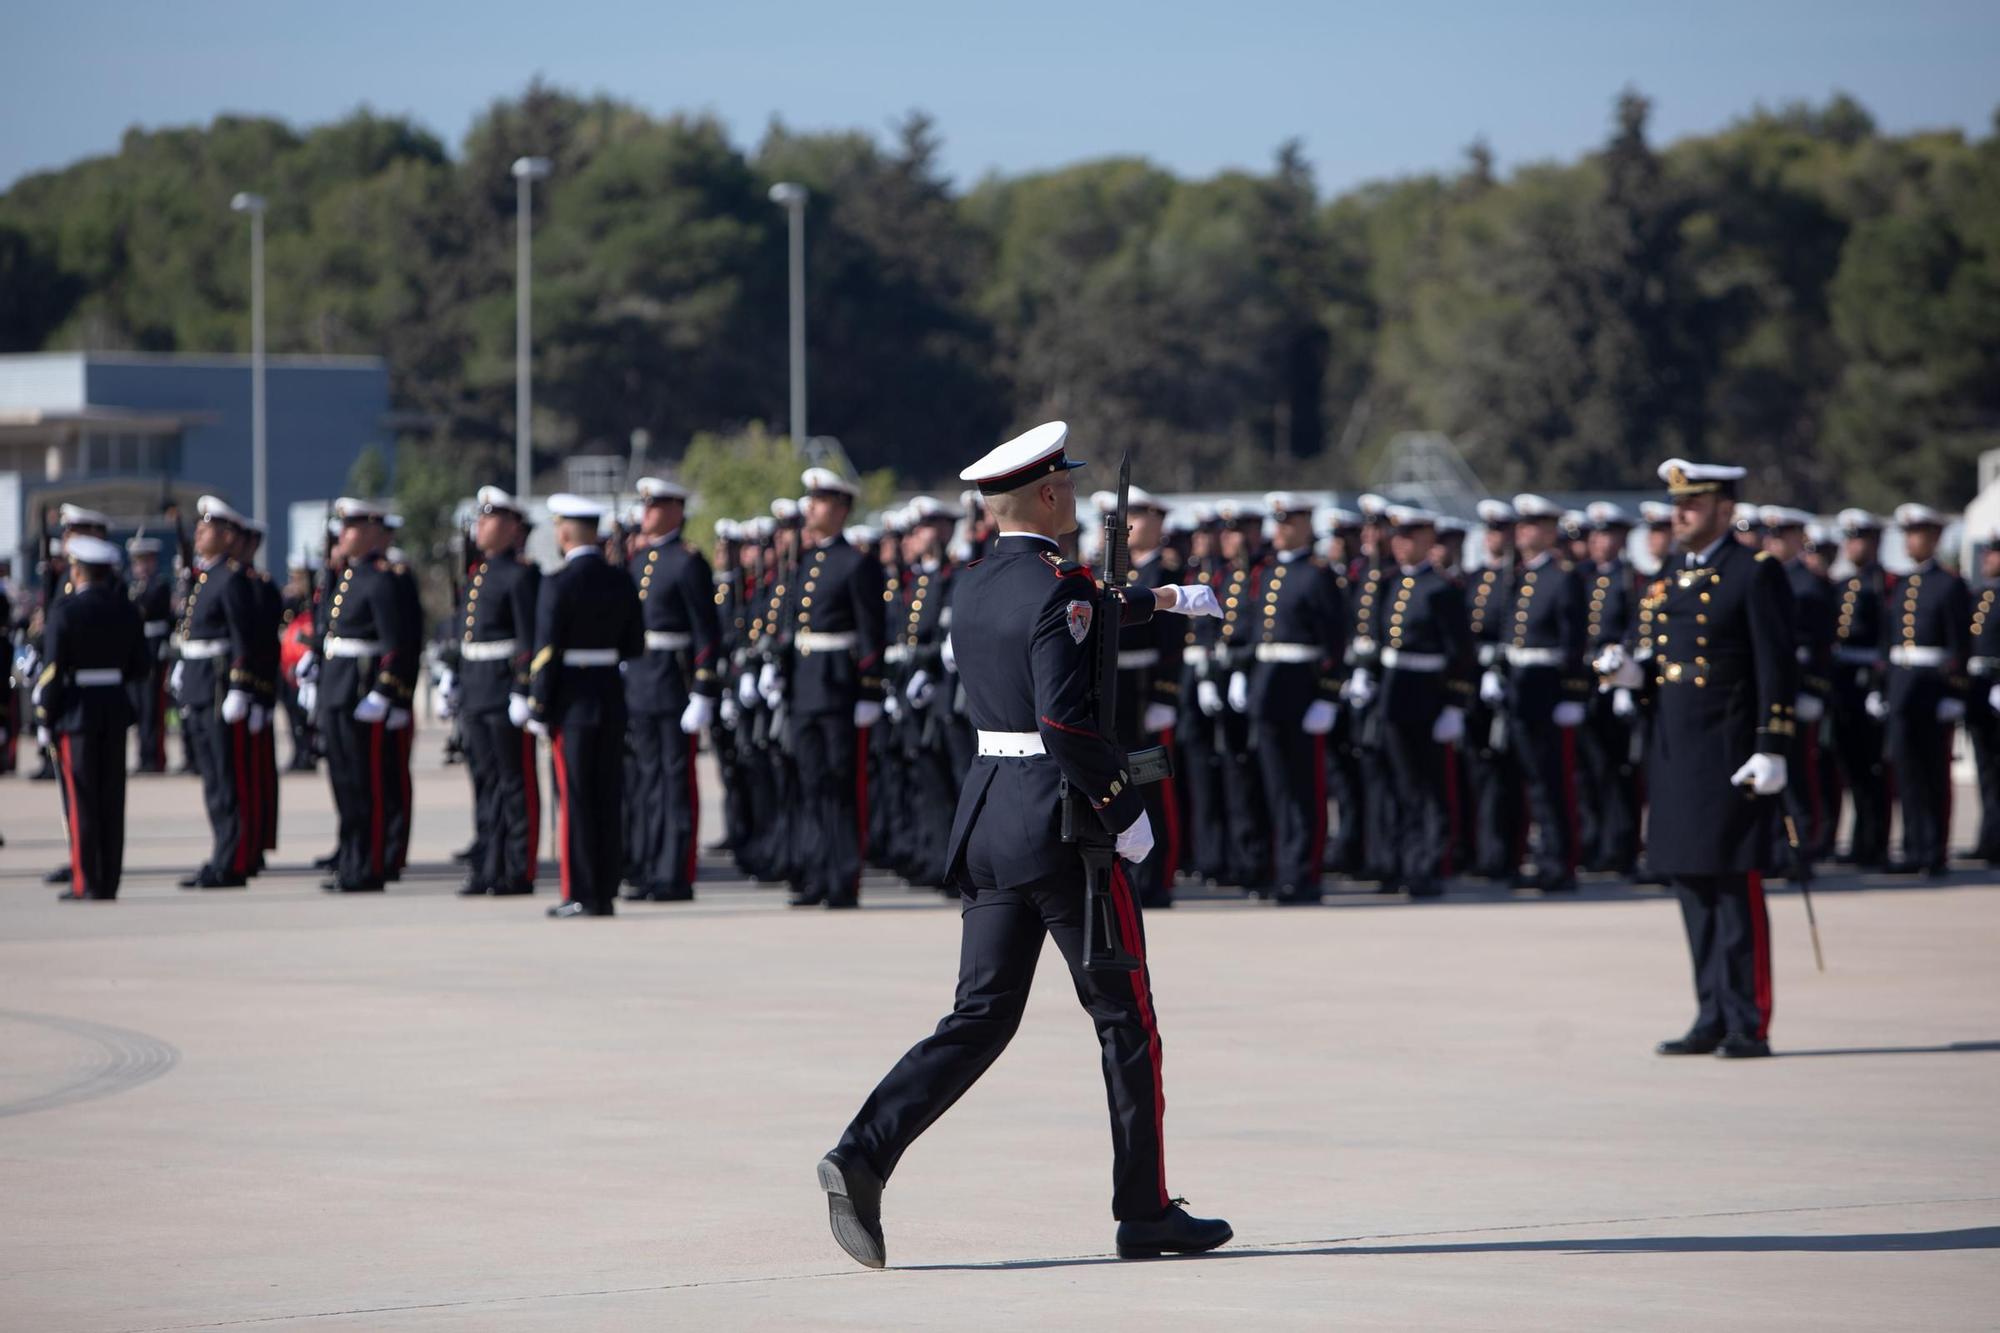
(590, 657)
(1983, 666)
(197, 649)
(898, 652)
(1489, 653)
(1533, 657)
(99, 676)
(1399, 660)
(1362, 646)
(1194, 656)
(1136, 659)
(1288, 652)
(157, 629)
(822, 641)
(353, 647)
(488, 650)
(667, 641)
(1856, 656)
(1011, 744)
(1907, 656)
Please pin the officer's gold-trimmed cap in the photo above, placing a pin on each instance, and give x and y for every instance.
(1685, 478)
(1026, 458)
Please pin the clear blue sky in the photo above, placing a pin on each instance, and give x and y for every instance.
(1375, 90)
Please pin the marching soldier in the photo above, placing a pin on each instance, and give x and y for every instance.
(489, 696)
(1812, 639)
(152, 594)
(95, 648)
(587, 620)
(1930, 615)
(1498, 813)
(1149, 691)
(831, 683)
(670, 693)
(1722, 684)
(1860, 637)
(1023, 656)
(215, 682)
(1609, 805)
(1543, 688)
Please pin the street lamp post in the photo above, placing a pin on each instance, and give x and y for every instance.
(793, 197)
(260, 462)
(527, 170)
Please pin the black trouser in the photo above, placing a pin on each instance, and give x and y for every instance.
(1729, 939)
(1920, 749)
(507, 806)
(1858, 739)
(1417, 767)
(1982, 725)
(149, 700)
(932, 793)
(666, 807)
(400, 794)
(888, 823)
(830, 814)
(1294, 770)
(360, 758)
(1379, 817)
(1497, 808)
(222, 753)
(1249, 854)
(1609, 782)
(1540, 764)
(1000, 939)
(1201, 778)
(300, 721)
(265, 747)
(590, 791)
(1350, 797)
(93, 775)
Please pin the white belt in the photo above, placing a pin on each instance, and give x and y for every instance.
(822, 641)
(1983, 666)
(1137, 659)
(1288, 652)
(590, 657)
(197, 649)
(1399, 660)
(1856, 656)
(1362, 646)
(488, 650)
(667, 641)
(1489, 653)
(99, 676)
(1011, 744)
(898, 652)
(1195, 656)
(1908, 656)
(1533, 657)
(337, 647)
(157, 629)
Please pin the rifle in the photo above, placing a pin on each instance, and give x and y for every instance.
(1103, 947)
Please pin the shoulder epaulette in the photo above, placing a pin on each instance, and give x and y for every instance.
(1764, 555)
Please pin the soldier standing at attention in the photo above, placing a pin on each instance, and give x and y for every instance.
(1022, 647)
(1723, 685)
(1929, 642)
(1544, 688)
(95, 647)
(152, 593)
(215, 682)
(1860, 635)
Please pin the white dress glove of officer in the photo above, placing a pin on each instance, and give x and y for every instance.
(1135, 844)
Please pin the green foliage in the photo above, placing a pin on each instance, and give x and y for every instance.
(736, 476)
(369, 476)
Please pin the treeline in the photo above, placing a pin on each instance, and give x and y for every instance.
(1799, 292)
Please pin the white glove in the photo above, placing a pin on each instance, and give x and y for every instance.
(1763, 773)
(1623, 704)
(1809, 708)
(308, 696)
(519, 710)
(770, 684)
(921, 688)
(1993, 698)
(399, 718)
(1239, 692)
(746, 690)
(260, 718)
(1610, 660)
(1195, 599)
(1569, 713)
(307, 669)
(1450, 725)
(892, 704)
(235, 706)
(867, 713)
(700, 711)
(1320, 716)
(372, 709)
(44, 739)
(1950, 710)
(1159, 717)
(1629, 675)
(1135, 844)
(1208, 695)
(536, 727)
(950, 655)
(731, 711)
(448, 684)
(173, 677)
(1492, 689)
(445, 707)
(1877, 706)
(1360, 688)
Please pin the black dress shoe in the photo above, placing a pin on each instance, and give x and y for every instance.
(1296, 898)
(1426, 888)
(1736, 1046)
(338, 886)
(1694, 1043)
(1567, 884)
(60, 875)
(805, 900)
(1172, 1232)
(635, 894)
(1903, 868)
(842, 904)
(326, 862)
(510, 890)
(854, 1209)
(464, 854)
(672, 895)
(206, 878)
(573, 908)
(67, 897)
(472, 890)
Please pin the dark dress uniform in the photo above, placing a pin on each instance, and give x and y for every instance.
(1861, 600)
(96, 648)
(1427, 662)
(1982, 722)
(1026, 677)
(1372, 778)
(269, 602)
(923, 755)
(1723, 681)
(153, 598)
(368, 646)
(1149, 673)
(1200, 740)
(1608, 805)
(496, 640)
(586, 622)
(1544, 645)
(683, 644)
(1498, 812)
(400, 739)
(1295, 630)
(833, 624)
(219, 652)
(1929, 644)
(1812, 639)
(1248, 858)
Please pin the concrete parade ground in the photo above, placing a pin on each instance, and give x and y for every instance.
(278, 1108)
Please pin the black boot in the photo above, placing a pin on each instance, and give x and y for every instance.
(854, 1209)
(1172, 1232)
(1694, 1043)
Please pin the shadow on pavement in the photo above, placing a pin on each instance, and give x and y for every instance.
(1954, 1048)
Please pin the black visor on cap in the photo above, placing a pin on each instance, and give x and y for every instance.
(1033, 472)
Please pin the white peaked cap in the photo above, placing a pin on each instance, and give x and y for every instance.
(826, 479)
(1778, 516)
(347, 507)
(658, 488)
(88, 550)
(77, 516)
(213, 508)
(1027, 457)
(1854, 522)
(563, 504)
(1281, 503)
(1530, 506)
(492, 497)
(1918, 516)
(1494, 512)
(1605, 514)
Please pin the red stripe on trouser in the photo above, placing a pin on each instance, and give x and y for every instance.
(1760, 954)
(1569, 794)
(1172, 869)
(375, 800)
(532, 785)
(249, 829)
(76, 886)
(860, 802)
(694, 807)
(562, 809)
(1452, 813)
(1316, 856)
(1135, 944)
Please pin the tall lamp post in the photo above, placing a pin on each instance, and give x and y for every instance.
(793, 197)
(527, 170)
(260, 462)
